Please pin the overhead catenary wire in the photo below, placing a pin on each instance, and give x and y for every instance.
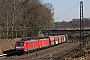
(67, 10)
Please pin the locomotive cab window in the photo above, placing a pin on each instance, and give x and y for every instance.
(20, 44)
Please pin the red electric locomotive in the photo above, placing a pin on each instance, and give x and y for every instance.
(25, 46)
(29, 45)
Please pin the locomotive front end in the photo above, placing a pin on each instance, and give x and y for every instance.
(19, 46)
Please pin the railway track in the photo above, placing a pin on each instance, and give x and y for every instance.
(60, 53)
(56, 51)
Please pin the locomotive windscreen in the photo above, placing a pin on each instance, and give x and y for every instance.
(19, 43)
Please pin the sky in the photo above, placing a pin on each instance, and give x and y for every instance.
(61, 8)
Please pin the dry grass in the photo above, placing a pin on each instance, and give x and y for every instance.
(85, 57)
(7, 44)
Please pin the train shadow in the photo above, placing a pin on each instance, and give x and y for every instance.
(11, 52)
